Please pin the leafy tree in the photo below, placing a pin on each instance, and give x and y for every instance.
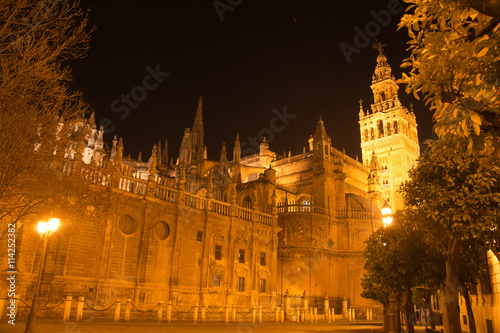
(458, 200)
(375, 289)
(455, 62)
(398, 259)
(36, 38)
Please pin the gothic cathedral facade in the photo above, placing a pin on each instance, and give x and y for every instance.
(247, 230)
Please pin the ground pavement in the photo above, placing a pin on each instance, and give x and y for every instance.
(47, 326)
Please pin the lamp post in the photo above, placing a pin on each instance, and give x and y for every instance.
(45, 229)
(393, 307)
(386, 214)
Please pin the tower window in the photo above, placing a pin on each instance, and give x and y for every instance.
(216, 280)
(385, 183)
(262, 285)
(263, 259)
(395, 127)
(241, 284)
(199, 236)
(389, 129)
(366, 135)
(372, 133)
(380, 125)
(218, 252)
(241, 256)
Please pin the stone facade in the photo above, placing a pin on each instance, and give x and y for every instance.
(244, 231)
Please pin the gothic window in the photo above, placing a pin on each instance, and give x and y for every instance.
(161, 230)
(385, 183)
(305, 204)
(241, 256)
(218, 252)
(380, 125)
(241, 283)
(263, 259)
(126, 224)
(372, 133)
(366, 135)
(262, 285)
(382, 95)
(389, 129)
(216, 280)
(395, 127)
(247, 202)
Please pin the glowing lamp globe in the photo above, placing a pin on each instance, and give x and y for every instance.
(53, 224)
(42, 227)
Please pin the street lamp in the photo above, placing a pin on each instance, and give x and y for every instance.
(45, 229)
(393, 306)
(386, 214)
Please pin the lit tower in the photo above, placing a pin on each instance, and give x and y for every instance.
(388, 132)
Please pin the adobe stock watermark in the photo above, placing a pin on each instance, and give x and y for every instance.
(372, 29)
(276, 125)
(139, 93)
(221, 7)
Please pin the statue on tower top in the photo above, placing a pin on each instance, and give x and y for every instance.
(379, 47)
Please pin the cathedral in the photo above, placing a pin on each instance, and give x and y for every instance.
(250, 230)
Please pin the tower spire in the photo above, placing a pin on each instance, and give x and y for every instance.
(237, 149)
(198, 134)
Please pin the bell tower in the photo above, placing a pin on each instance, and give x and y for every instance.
(388, 132)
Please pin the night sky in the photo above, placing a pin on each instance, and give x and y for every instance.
(246, 60)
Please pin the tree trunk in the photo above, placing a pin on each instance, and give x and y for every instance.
(408, 308)
(431, 313)
(450, 289)
(470, 314)
(398, 314)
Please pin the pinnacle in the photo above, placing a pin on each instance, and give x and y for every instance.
(320, 133)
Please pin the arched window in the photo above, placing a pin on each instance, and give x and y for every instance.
(366, 135)
(372, 133)
(247, 202)
(304, 204)
(395, 127)
(380, 125)
(389, 129)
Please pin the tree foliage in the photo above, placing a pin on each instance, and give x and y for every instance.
(36, 38)
(456, 196)
(454, 65)
(457, 199)
(398, 259)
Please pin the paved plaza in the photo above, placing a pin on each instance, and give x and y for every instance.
(242, 327)
(46, 326)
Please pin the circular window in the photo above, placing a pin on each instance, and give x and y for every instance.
(162, 230)
(126, 224)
